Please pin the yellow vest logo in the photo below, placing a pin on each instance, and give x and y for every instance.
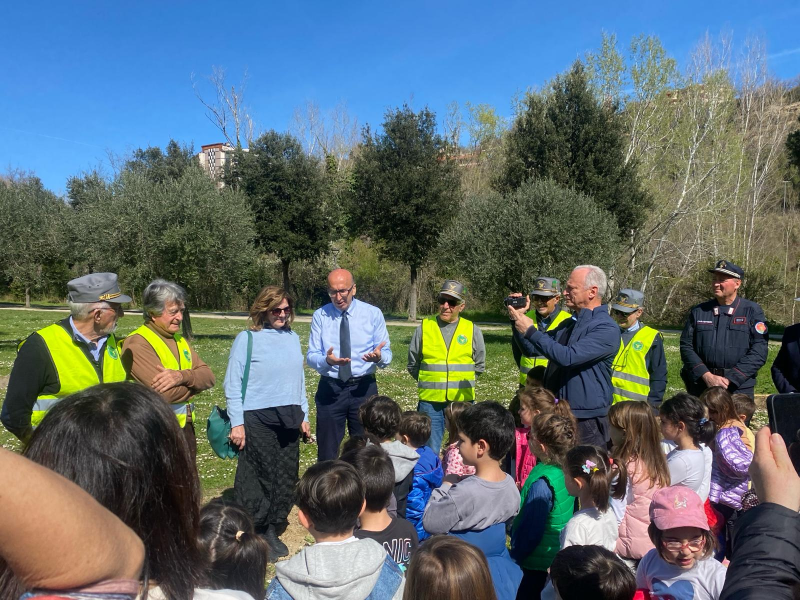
(187, 355)
(637, 345)
(112, 352)
(462, 339)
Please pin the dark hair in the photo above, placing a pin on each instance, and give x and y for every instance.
(452, 414)
(380, 416)
(490, 422)
(354, 442)
(235, 556)
(657, 537)
(535, 374)
(600, 477)
(122, 444)
(448, 568)
(745, 405)
(642, 441)
(721, 408)
(331, 495)
(376, 471)
(556, 433)
(580, 572)
(685, 408)
(416, 426)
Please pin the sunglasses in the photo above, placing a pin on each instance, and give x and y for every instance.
(277, 312)
(449, 301)
(694, 545)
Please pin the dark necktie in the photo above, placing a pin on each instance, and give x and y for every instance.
(345, 371)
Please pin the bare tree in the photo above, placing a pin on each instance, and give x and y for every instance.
(326, 136)
(227, 111)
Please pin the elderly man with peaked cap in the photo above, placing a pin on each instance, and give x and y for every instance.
(445, 354)
(67, 356)
(724, 342)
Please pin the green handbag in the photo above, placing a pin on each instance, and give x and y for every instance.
(218, 426)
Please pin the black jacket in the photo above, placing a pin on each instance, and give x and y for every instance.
(786, 368)
(766, 555)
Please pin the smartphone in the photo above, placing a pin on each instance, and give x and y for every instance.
(784, 418)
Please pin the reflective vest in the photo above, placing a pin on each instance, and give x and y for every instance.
(75, 371)
(526, 363)
(446, 373)
(630, 378)
(168, 361)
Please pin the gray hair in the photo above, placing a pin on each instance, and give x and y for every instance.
(156, 296)
(81, 310)
(595, 277)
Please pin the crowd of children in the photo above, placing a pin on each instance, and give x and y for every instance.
(391, 519)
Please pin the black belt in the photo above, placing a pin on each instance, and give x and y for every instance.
(718, 372)
(369, 377)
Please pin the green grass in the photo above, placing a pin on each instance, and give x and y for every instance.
(215, 336)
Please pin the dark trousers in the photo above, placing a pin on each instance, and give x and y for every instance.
(532, 584)
(594, 432)
(338, 403)
(266, 474)
(725, 537)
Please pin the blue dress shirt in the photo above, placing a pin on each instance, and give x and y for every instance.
(367, 331)
(95, 348)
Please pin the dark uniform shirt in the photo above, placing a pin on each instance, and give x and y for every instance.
(729, 341)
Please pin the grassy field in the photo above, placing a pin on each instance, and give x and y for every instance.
(215, 336)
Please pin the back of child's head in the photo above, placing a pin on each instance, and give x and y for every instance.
(685, 408)
(235, 556)
(448, 568)
(674, 507)
(719, 403)
(416, 426)
(380, 416)
(599, 473)
(376, 471)
(642, 440)
(354, 442)
(583, 572)
(541, 400)
(535, 376)
(452, 414)
(745, 407)
(331, 495)
(491, 422)
(557, 434)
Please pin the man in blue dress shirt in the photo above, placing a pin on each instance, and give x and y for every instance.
(348, 342)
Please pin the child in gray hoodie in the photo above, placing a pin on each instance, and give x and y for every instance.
(330, 497)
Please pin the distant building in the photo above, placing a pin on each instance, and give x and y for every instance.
(214, 157)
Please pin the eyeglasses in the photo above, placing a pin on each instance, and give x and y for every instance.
(334, 293)
(277, 312)
(694, 545)
(449, 301)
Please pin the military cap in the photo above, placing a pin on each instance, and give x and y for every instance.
(453, 288)
(628, 300)
(96, 287)
(546, 286)
(728, 268)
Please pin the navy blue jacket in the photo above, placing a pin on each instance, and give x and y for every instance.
(581, 351)
(729, 341)
(428, 475)
(786, 368)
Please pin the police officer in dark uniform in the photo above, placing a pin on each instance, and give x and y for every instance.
(724, 342)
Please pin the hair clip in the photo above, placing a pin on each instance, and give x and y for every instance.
(610, 460)
(239, 535)
(702, 421)
(589, 466)
(555, 401)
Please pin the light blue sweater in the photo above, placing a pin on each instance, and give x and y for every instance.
(276, 373)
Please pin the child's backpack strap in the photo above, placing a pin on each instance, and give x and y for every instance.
(388, 582)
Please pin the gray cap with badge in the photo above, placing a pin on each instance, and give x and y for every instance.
(628, 301)
(546, 286)
(96, 287)
(453, 288)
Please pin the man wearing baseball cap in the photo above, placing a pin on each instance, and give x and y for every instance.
(724, 342)
(68, 356)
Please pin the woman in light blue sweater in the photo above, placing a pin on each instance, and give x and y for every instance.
(268, 409)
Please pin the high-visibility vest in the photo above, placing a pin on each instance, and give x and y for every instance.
(75, 371)
(168, 361)
(446, 373)
(630, 378)
(526, 363)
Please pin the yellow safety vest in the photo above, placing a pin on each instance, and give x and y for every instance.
(168, 360)
(75, 371)
(630, 379)
(526, 363)
(446, 374)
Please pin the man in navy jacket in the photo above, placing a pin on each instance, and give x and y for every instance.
(786, 368)
(581, 351)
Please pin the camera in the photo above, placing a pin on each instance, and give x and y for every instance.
(516, 302)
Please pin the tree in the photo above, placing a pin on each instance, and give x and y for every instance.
(288, 194)
(228, 111)
(405, 190)
(159, 166)
(793, 147)
(501, 244)
(569, 136)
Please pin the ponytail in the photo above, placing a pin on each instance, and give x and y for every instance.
(685, 408)
(604, 478)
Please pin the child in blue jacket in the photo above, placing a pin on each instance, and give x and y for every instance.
(415, 429)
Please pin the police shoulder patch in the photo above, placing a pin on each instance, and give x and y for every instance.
(761, 327)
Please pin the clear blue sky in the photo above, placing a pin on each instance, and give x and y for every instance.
(79, 79)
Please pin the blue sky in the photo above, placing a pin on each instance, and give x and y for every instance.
(81, 79)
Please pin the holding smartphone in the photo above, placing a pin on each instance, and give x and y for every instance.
(783, 411)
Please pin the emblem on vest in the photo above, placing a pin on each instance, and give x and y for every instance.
(462, 339)
(112, 352)
(187, 355)
(637, 345)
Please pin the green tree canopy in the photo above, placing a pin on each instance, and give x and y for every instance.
(566, 134)
(405, 189)
(502, 244)
(160, 166)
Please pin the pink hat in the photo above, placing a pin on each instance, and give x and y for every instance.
(678, 506)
